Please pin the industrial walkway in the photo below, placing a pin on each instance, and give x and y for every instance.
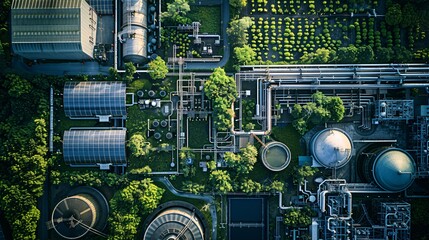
(207, 198)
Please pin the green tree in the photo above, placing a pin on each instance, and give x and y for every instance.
(365, 54)
(244, 162)
(250, 186)
(221, 89)
(158, 69)
(113, 74)
(130, 70)
(276, 186)
(238, 3)
(410, 15)
(394, 14)
(192, 187)
(128, 204)
(244, 55)
(304, 172)
(139, 145)
(221, 181)
(321, 55)
(298, 217)
(402, 55)
(177, 10)
(384, 55)
(347, 54)
(238, 31)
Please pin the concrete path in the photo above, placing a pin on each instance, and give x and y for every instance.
(207, 198)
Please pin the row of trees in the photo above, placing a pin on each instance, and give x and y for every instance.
(221, 89)
(322, 109)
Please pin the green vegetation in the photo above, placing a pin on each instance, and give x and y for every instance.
(298, 217)
(158, 69)
(23, 152)
(238, 31)
(129, 204)
(208, 16)
(238, 3)
(176, 11)
(322, 109)
(222, 91)
(139, 146)
(243, 163)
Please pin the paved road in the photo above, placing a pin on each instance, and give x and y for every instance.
(208, 198)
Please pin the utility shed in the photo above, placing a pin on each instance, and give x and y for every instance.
(94, 99)
(53, 29)
(94, 147)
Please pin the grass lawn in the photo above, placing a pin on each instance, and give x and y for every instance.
(198, 133)
(208, 16)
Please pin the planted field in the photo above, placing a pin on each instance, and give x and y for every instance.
(287, 30)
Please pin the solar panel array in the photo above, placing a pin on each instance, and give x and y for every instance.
(89, 99)
(104, 7)
(89, 147)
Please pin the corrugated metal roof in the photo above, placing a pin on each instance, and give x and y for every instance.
(45, 4)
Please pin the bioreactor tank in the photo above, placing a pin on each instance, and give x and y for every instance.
(392, 169)
(84, 211)
(331, 148)
(134, 31)
(175, 222)
(275, 156)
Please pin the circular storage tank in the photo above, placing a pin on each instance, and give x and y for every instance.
(170, 223)
(331, 147)
(134, 46)
(73, 216)
(275, 156)
(392, 169)
(134, 12)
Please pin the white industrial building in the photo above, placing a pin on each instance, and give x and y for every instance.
(53, 29)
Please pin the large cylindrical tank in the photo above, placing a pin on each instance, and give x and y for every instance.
(134, 47)
(73, 216)
(134, 12)
(134, 34)
(331, 148)
(175, 223)
(275, 156)
(392, 169)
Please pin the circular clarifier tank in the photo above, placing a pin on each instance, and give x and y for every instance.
(275, 156)
(394, 169)
(331, 147)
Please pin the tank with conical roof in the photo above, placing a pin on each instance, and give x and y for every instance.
(392, 169)
(175, 222)
(86, 210)
(331, 148)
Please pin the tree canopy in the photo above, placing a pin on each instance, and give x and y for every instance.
(138, 145)
(238, 3)
(244, 55)
(322, 109)
(242, 163)
(298, 217)
(158, 69)
(221, 181)
(221, 89)
(177, 10)
(238, 31)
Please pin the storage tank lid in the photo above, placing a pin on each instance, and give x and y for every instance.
(331, 147)
(394, 170)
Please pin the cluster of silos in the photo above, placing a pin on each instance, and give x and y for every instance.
(392, 169)
(175, 223)
(275, 156)
(331, 148)
(85, 210)
(138, 30)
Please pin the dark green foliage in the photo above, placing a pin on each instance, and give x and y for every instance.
(321, 55)
(242, 163)
(298, 217)
(384, 55)
(304, 172)
(322, 109)
(128, 204)
(88, 178)
(221, 181)
(23, 149)
(347, 54)
(394, 14)
(402, 55)
(365, 54)
(410, 16)
(221, 90)
(130, 69)
(238, 31)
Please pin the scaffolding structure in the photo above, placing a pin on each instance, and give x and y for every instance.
(421, 145)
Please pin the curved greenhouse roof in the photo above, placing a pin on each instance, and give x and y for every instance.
(394, 170)
(92, 147)
(92, 99)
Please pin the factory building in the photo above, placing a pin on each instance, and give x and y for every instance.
(53, 29)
